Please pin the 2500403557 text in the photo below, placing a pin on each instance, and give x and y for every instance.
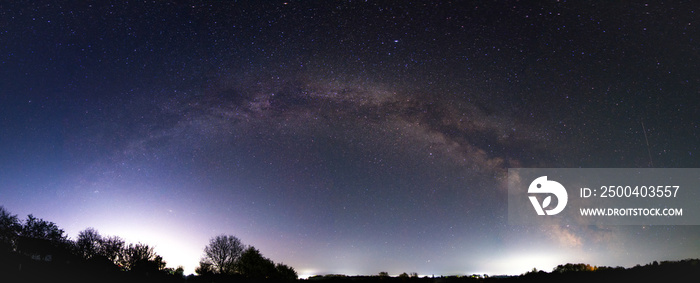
(631, 192)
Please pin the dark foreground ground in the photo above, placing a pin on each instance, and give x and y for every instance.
(18, 268)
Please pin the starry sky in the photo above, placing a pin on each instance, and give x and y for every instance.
(343, 136)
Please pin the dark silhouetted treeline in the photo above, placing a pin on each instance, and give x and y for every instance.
(666, 271)
(226, 258)
(35, 250)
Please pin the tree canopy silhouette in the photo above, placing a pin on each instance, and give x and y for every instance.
(255, 266)
(38, 228)
(89, 243)
(223, 253)
(141, 257)
(9, 228)
(112, 248)
(285, 273)
(227, 255)
(573, 267)
(35, 250)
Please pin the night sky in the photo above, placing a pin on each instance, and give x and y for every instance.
(343, 136)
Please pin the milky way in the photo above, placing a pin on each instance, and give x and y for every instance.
(342, 137)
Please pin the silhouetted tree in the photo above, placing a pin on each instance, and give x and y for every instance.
(40, 229)
(89, 243)
(40, 238)
(137, 256)
(112, 248)
(254, 266)
(179, 271)
(286, 273)
(204, 268)
(222, 253)
(573, 267)
(383, 274)
(148, 265)
(10, 227)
